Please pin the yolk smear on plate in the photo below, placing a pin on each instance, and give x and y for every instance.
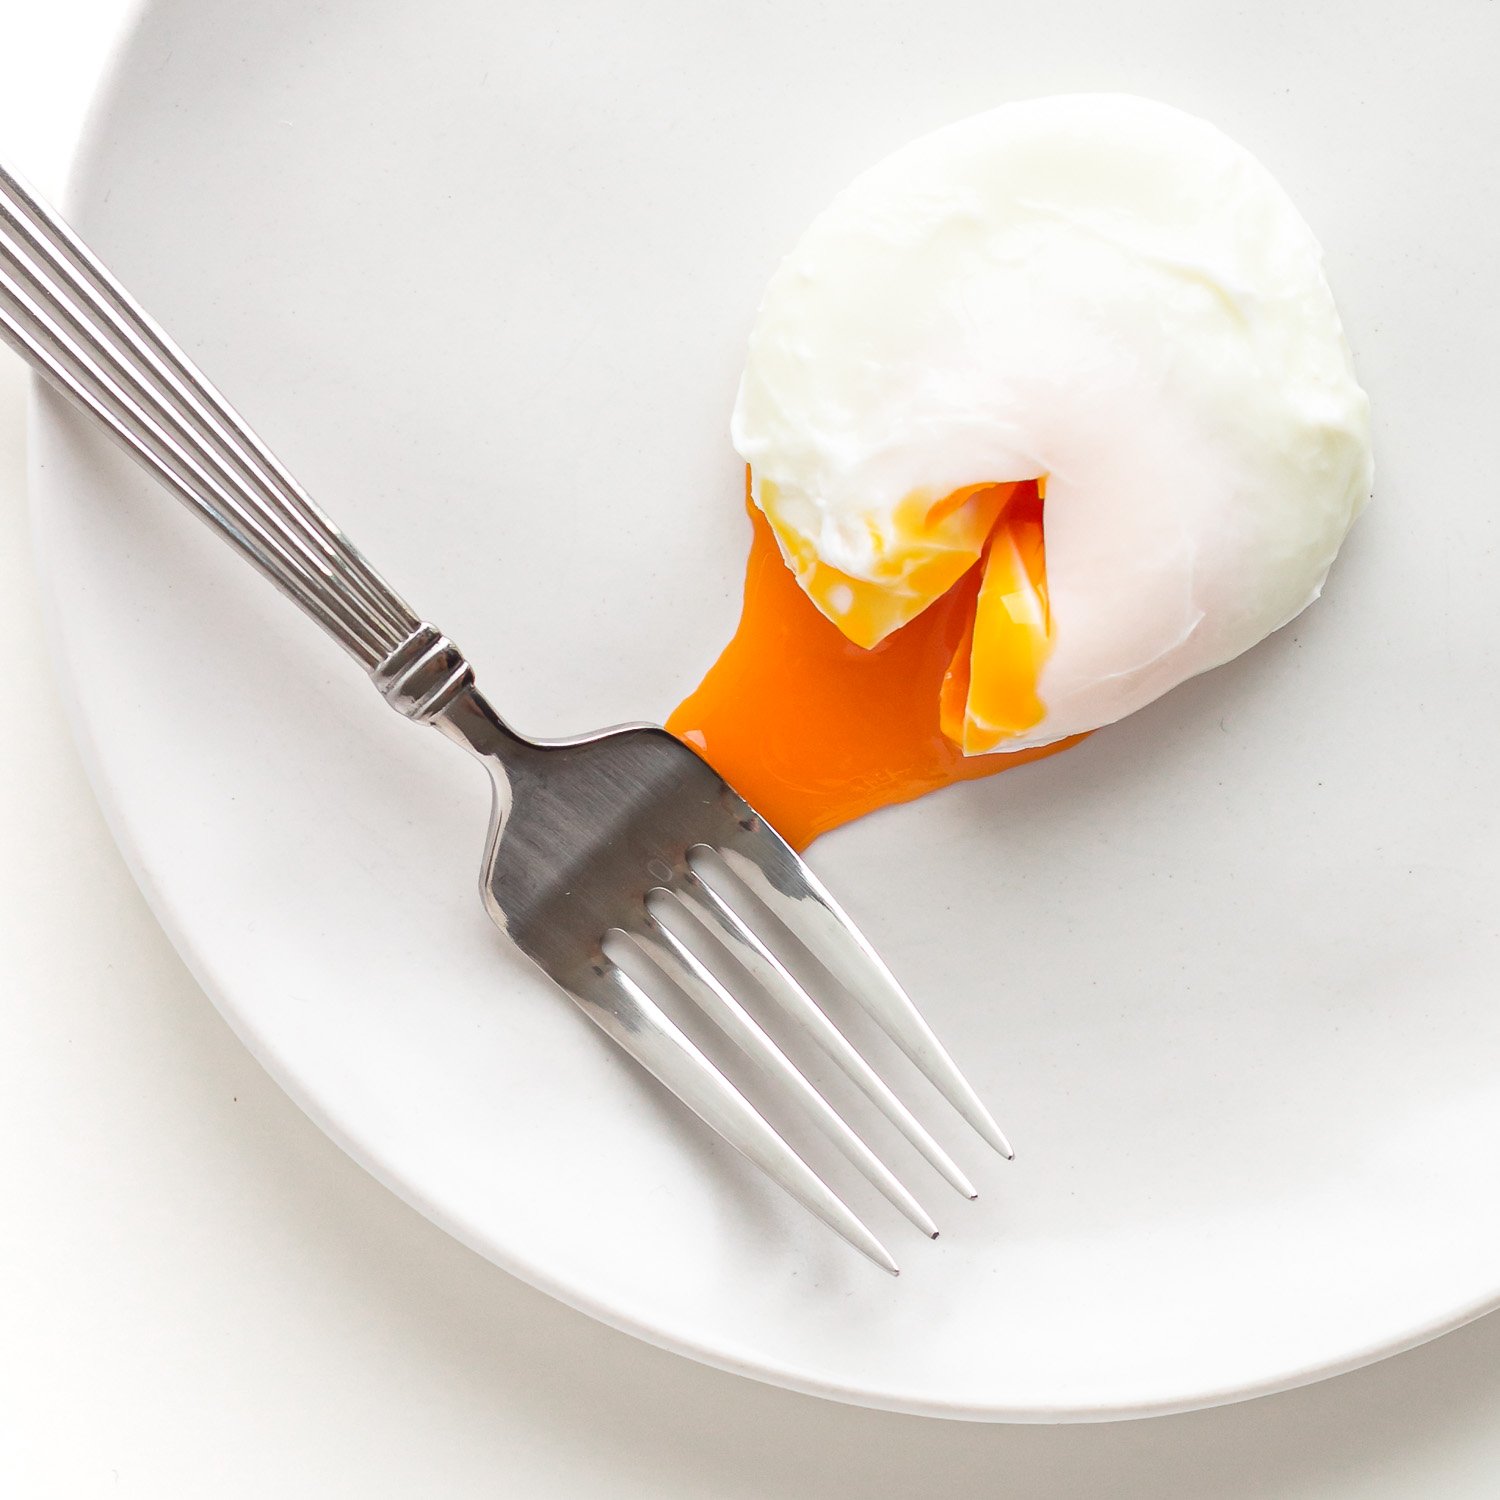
(815, 731)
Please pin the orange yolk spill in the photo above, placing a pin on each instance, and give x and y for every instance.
(814, 731)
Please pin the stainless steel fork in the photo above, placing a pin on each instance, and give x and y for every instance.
(620, 862)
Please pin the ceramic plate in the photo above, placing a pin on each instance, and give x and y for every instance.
(482, 274)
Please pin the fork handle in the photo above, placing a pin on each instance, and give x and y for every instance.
(64, 313)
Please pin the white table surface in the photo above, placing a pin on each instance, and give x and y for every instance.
(199, 1295)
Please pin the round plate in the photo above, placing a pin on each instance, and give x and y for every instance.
(483, 275)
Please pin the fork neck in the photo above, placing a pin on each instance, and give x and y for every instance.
(428, 679)
(468, 720)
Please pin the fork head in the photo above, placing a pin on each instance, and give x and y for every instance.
(594, 826)
(589, 839)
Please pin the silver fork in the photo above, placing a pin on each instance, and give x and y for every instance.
(620, 862)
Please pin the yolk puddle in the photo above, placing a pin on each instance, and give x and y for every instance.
(815, 731)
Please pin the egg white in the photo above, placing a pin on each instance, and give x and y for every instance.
(1098, 290)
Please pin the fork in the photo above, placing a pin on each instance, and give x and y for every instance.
(620, 862)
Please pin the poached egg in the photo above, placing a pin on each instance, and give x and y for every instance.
(1064, 380)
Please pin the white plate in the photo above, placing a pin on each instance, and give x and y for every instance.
(483, 276)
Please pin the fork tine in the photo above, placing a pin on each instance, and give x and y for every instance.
(743, 939)
(626, 1013)
(688, 970)
(773, 872)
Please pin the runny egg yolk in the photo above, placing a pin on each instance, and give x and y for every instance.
(990, 690)
(815, 730)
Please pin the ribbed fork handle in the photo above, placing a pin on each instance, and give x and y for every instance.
(61, 310)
